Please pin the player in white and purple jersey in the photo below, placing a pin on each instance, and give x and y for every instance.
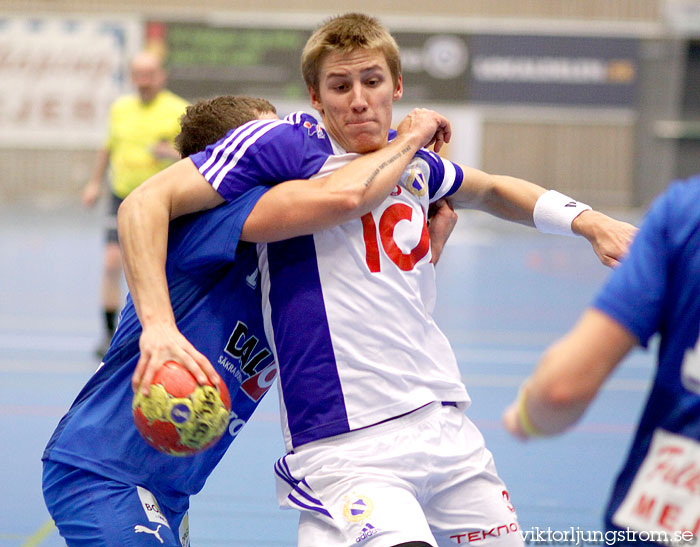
(381, 452)
(656, 496)
(328, 295)
(103, 484)
(348, 312)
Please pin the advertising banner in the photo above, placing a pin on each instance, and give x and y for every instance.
(500, 69)
(554, 70)
(58, 76)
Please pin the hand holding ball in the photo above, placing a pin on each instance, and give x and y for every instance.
(180, 417)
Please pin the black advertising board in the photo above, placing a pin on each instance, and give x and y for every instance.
(205, 60)
(498, 69)
(554, 70)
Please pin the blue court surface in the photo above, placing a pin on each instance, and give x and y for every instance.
(505, 293)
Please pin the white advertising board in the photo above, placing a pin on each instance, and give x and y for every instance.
(58, 76)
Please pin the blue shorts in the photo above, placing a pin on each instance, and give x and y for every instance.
(93, 511)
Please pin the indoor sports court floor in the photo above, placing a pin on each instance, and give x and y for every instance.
(505, 293)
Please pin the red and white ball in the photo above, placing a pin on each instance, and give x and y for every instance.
(180, 417)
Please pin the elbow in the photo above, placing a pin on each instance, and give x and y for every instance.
(125, 208)
(127, 212)
(564, 379)
(351, 204)
(138, 204)
(355, 203)
(129, 205)
(148, 199)
(559, 389)
(558, 394)
(563, 404)
(564, 393)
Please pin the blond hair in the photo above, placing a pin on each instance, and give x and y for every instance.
(343, 34)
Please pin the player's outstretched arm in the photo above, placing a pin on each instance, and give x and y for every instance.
(303, 207)
(527, 203)
(143, 220)
(568, 377)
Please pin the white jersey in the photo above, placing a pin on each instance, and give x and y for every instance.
(348, 311)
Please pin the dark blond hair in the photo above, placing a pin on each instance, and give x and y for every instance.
(208, 121)
(346, 33)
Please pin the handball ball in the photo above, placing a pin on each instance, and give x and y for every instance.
(180, 417)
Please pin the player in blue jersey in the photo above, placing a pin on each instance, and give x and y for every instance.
(102, 483)
(380, 451)
(655, 290)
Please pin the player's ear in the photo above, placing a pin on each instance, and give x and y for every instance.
(315, 100)
(398, 92)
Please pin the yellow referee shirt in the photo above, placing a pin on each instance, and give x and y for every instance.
(134, 129)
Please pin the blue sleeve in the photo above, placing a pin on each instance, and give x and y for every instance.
(210, 237)
(261, 152)
(445, 176)
(634, 294)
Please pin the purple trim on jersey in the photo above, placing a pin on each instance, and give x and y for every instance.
(295, 117)
(306, 360)
(264, 152)
(229, 152)
(459, 178)
(437, 173)
(228, 144)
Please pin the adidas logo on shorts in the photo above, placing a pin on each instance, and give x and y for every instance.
(367, 531)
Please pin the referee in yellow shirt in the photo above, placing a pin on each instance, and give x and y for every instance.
(142, 128)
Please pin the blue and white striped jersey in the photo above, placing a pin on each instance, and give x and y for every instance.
(347, 310)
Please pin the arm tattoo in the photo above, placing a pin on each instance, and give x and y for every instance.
(386, 163)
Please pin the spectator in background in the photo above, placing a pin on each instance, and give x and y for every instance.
(140, 135)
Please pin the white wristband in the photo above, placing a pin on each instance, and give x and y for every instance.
(554, 213)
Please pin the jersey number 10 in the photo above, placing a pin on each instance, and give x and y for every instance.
(391, 216)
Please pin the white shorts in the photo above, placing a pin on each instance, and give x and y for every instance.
(426, 476)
